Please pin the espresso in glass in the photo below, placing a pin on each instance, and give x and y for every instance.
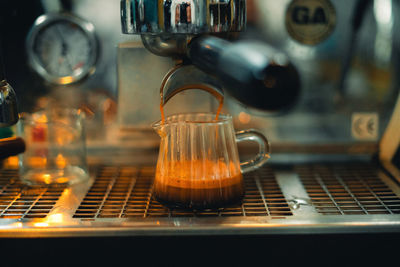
(199, 184)
(198, 164)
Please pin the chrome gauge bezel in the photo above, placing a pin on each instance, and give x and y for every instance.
(46, 20)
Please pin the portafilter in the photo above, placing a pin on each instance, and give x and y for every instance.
(196, 32)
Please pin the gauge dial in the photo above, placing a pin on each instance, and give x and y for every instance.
(62, 48)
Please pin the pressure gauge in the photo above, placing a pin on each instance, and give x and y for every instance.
(62, 48)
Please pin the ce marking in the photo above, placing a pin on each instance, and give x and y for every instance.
(365, 126)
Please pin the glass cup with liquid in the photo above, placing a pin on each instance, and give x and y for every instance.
(198, 165)
(55, 147)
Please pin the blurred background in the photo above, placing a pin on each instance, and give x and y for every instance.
(347, 55)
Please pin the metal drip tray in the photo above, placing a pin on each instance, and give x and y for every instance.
(118, 200)
(346, 190)
(125, 192)
(21, 202)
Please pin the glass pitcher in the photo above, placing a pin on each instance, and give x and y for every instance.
(198, 164)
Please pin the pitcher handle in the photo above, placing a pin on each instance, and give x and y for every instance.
(263, 152)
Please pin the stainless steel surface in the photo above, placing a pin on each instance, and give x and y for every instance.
(8, 105)
(317, 119)
(346, 190)
(117, 201)
(255, 74)
(320, 111)
(186, 77)
(126, 192)
(184, 17)
(320, 118)
(18, 201)
(139, 94)
(166, 45)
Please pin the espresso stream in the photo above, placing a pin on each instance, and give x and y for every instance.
(198, 184)
(219, 97)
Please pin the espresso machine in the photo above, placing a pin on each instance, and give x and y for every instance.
(254, 73)
(317, 77)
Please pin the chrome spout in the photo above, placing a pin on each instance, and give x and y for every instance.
(166, 45)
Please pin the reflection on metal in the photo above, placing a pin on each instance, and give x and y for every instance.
(127, 192)
(178, 16)
(305, 198)
(383, 13)
(345, 190)
(297, 202)
(18, 201)
(8, 105)
(185, 77)
(300, 51)
(166, 45)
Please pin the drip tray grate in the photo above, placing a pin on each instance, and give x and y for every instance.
(124, 192)
(347, 189)
(19, 201)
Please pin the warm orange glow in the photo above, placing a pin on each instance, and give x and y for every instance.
(64, 135)
(40, 118)
(66, 80)
(41, 224)
(17, 225)
(61, 161)
(37, 162)
(11, 162)
(46, 178)
(55, 218)
(244, 117)
(62, 180)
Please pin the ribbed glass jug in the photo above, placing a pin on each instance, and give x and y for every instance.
(198, 164)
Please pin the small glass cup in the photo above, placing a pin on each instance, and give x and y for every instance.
(55, 147)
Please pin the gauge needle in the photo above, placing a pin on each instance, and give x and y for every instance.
(64, 48)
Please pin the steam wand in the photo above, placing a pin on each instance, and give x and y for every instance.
(8, 114)
(8, 99)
